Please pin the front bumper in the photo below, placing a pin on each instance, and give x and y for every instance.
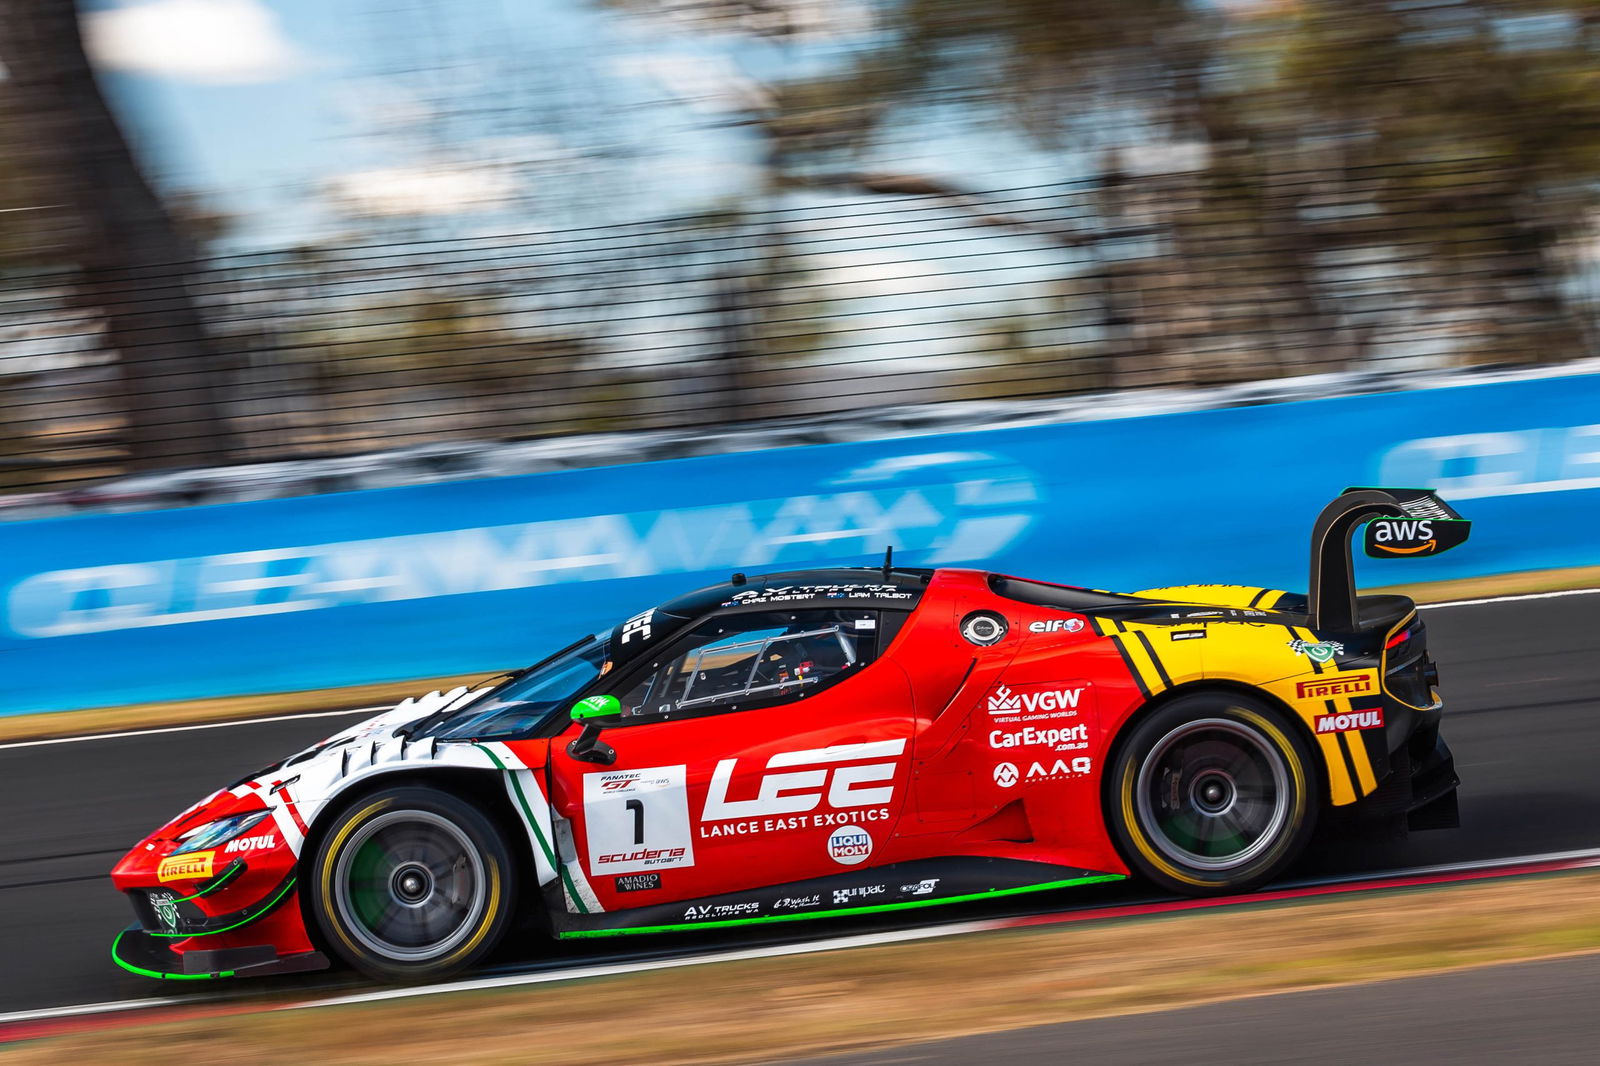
(151, 956)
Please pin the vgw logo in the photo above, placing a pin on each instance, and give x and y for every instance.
(803, 790)
(1003, 700)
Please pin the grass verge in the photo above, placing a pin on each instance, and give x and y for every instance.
(772, 1009)
(192, 712)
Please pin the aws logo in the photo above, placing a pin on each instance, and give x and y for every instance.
(1402, 537)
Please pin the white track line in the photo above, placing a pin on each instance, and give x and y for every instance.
(375, 710)
(187, 728)
(1590, 856)
(46, 1013)
(1510, 599)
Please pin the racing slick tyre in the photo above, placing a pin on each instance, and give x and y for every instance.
(1212, 793)
(411, 884)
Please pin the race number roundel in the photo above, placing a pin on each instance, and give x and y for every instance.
(637, 820)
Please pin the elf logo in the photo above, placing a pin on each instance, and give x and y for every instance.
(1338, 723)
(803, 789)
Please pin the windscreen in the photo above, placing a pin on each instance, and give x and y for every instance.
(527, 702)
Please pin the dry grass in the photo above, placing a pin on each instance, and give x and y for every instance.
(190, 712)
(1471, 588)
(777, 1008)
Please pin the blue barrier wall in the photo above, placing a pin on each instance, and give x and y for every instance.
(480, 575)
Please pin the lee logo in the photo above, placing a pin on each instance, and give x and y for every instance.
(1338, 723)
(803, 790)
(186, 867)
(1004, 700)
(1330, 687)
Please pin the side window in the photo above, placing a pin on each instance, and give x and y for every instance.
(753, 659)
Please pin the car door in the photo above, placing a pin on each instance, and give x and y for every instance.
(759, 749)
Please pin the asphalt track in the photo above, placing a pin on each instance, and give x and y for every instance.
(1521, 679)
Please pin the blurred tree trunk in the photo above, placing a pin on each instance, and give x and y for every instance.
(136, 268)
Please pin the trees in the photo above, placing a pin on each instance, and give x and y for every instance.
(134, 266)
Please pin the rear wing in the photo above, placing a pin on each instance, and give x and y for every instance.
(1402, 522)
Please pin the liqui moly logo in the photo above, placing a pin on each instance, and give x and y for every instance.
(1327, 688)
(1338, 723)
(1005, 700)
(846, 775)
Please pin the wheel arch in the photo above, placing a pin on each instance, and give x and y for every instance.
(484, 788)
(1190, 688)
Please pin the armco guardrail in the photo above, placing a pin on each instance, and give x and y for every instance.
(441, 579)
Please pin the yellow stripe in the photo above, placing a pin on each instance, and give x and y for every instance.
(1338, 776)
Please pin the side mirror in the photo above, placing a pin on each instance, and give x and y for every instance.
(589, 747)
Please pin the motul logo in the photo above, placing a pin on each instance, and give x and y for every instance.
(803, 790)
(1338, 723)
(1327, 688)
(1004, 701)
(260, 843)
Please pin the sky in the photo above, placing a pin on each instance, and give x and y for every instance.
(298, 117)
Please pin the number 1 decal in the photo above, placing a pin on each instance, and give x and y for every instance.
(637, 807)
(637, 820)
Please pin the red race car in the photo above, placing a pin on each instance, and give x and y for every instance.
(811, 744)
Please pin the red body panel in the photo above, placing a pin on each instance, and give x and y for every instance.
(943, 747)
(732, 802)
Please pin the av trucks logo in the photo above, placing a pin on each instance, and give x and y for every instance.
(842, 774)
(1006, 700)
(1328, 688)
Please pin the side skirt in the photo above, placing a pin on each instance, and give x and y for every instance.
(902, 886)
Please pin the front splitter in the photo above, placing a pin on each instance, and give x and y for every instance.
(148, 956)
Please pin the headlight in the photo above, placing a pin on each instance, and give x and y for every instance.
(218, 832)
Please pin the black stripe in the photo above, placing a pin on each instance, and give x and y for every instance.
(1342, 742)
(1161, 671)
(1120, 627)
(1257, 597)
(1350, 764)
(1128, 662)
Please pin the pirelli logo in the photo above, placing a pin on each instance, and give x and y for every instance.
(1327, 688)
(186, 867)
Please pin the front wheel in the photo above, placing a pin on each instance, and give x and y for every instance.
(1212, 793)
(412, 884)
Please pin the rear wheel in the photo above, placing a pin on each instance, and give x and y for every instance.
(412, 884)
(1212, 793)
